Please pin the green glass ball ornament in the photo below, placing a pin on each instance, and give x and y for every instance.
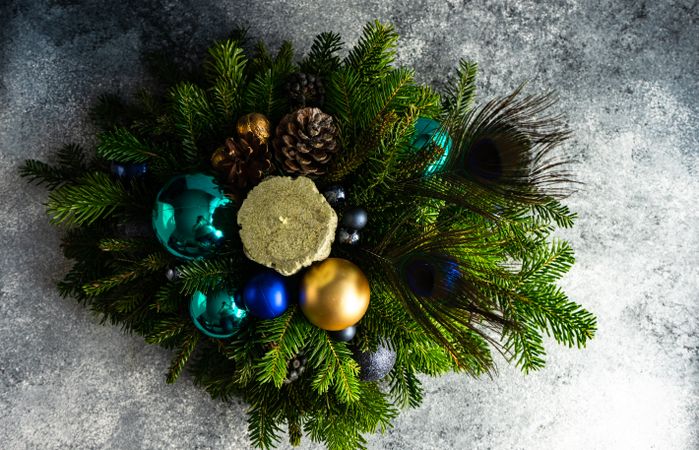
(429, 131)
(183, 215)
(216, 314)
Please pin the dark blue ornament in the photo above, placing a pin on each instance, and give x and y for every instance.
(336, 197)
(431, 132)
(347, 237)
(425, 277)
(345, 335)
(128, 171)
(216, 315)
(355, 218)
(376, 365)
(265, 295)
(183, 216)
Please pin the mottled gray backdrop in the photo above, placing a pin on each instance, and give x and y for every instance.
(627, 74)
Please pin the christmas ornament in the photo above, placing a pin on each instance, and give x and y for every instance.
(355, 218)
(306, 141)
(335, 195)
(183, 215)
(376, 365)
(265, 295)
(305, 89)
(347, 237)
(255, 125)
(216, 314)
(334, 294)
(345, 335)
(242, 162)
(128, 171)
(424, 277)
(430, 132)
(172, 274)
(286, 224)
(295, 367)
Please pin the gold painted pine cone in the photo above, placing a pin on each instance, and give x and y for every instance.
(306, 141)
(242, 162)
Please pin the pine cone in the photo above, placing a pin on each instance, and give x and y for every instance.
(305, 89)
(305, 142)
(244, 162)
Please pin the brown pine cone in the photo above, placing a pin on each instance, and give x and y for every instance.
(243, 162)
(305, 142)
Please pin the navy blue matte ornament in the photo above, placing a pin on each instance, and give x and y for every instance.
(425, 277)
(128, 171)
(265, 295)
(355, 218)
(345, 335)
(216, 315)
(335, 195)
(347, 237)
(183, 216)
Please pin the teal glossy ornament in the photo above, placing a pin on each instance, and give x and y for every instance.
(183, 215)
(216, 315)
(430, 131)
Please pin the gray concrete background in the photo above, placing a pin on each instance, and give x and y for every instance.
(626, 72)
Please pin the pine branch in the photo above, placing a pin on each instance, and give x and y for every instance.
(71, 165)
(192, 115)
(94, 196)
(226, 72)
(322, 59)
(460, 98)
(190, 341)
(166, 329)
(205, 275)
(287, 336)
(123, 146)
(375, 51)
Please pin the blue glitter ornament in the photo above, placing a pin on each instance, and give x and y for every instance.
(128, 171)
(265, 295)
(183, 216)
(430, 131)
(216, 315)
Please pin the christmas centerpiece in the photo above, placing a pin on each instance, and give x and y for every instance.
(313, 235)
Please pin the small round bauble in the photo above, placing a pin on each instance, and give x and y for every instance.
(334, 294)
(265, 295)
(216, 314)
(431, 132)
(355, 218)
(172, 274)
(286, 224)
(128, 171)
(376, 365)
(183, 216)
(347, 237)
(345, 335)
(336, 196)
(255, 124)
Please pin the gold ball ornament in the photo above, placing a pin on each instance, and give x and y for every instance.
(256, 124)
(334, 294)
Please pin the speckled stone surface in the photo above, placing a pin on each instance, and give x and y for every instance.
(626, 72)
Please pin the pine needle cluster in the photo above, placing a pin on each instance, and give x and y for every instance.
(483, 220)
